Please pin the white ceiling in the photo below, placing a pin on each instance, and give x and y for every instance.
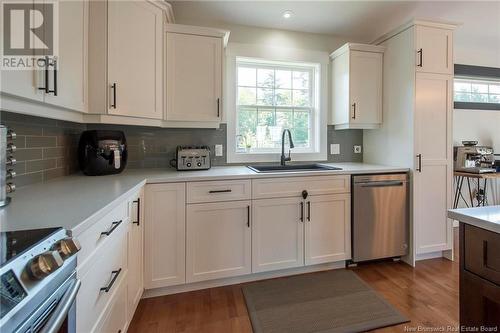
(353, 20)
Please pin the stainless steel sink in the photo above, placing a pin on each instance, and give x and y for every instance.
(291, 168)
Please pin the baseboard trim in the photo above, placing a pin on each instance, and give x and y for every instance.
(240, 279)
(430, 255)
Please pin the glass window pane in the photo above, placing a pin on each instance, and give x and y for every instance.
(300, 80)
(265, 77)
(462, 97)
(266, 117)
(494, 99)
(479, 88)
(265, 96)
(462, 86)
(283, 97)
(301, 98)
(246, 96)
(284, 119)
(246, 76)
(479, 98)
(283, 79)
(495, 89)
(301, 128)
(247, 120)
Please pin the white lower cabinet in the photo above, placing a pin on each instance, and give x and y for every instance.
(277, 234)
(135, 286)
(165, 233)
(327, 228)
(115, 318)
(218, 240)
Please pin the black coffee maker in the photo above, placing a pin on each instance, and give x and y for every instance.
(102, 152)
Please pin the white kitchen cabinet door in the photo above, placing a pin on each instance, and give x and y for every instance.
(365, 81)
(194, 77)
(71, 76)
(277, 234)
(135, 58)
(218, 240)
(135, 253)
(164, 242)
(327, 228)
(357, 71)
(433, 162)
(434, 52)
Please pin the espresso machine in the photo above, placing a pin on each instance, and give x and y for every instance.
(473, 158)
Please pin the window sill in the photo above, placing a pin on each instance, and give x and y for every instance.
(476, 106)
(274, 157)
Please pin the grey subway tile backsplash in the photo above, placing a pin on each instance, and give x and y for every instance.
(47, 148)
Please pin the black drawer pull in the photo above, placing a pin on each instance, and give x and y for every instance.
(301, 211)
(112, 282)
(138, 202)
(114, 226)
(248, 216)
(220, 191)
(309, 210)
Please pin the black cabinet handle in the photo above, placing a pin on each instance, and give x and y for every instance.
(54, 91)
(218, 107)
(419, 168)
(113, 228)
(420, 58)
(248, 216)
(113, 86)
(309, 210)
(220, 191)
(46, 76)
(354, 111)
(112, 282)
(138, 202)
(301, 212)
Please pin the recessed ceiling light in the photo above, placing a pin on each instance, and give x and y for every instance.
(287, 14)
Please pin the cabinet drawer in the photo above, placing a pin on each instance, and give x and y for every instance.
(107, 268)
(115, 318)
(93, 238)
(214, 191)
(293, 187)
(482, 253)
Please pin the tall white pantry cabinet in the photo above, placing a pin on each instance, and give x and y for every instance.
(417, 128)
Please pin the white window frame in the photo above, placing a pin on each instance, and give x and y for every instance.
(314, 60)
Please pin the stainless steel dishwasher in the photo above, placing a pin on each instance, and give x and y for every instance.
(380, 215)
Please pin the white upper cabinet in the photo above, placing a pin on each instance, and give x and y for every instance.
(357, 86)
(194, 73)
(434, 51)
(135, 51)
(63, 84)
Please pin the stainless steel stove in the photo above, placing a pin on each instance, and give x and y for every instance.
(38, 283)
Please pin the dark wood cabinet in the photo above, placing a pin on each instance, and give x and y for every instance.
(479, 278)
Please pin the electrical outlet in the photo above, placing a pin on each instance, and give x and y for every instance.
(334, 149)
(218, 150)
(357, 149)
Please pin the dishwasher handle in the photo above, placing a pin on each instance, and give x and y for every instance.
(382, 183)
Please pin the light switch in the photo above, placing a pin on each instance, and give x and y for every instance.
(218, 150)
(334, 149)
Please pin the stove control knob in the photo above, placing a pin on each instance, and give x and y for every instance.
(67, 247)
(188, 165)
(44, 264)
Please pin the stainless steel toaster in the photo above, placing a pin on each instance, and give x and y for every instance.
(193, 158)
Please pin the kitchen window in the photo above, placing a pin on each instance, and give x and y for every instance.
(270, 97)
(476, 88)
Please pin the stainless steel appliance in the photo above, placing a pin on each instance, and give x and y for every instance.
(380, 216)
(102, 152)
(38, 284)
(472, 158)
(193, 158)
(7, 148)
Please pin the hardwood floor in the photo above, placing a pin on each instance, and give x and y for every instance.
(426, 294)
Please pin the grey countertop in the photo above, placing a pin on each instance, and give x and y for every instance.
(76, 202)
(487, 217)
